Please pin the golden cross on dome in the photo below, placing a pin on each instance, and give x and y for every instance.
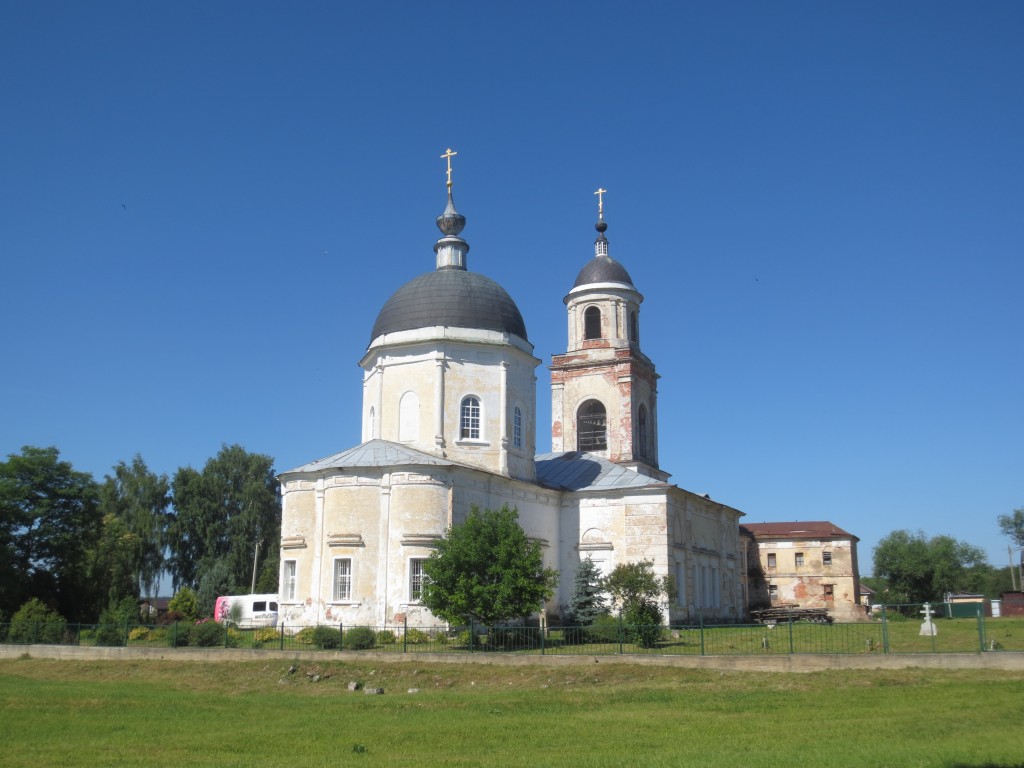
(600, 201)
(448, 154)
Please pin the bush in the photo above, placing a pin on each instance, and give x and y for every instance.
(35, 623)
(518, 639)
(327, 638)
(467, 639)
(415, 636)
(385, 637)
(110, 634)
(306, 636)
(360, 639)
(265, 635)
(170, 617)
(139, 633)
(643, 623)
(186, 603)
(605, 629)
(179, 634)
(210, 634)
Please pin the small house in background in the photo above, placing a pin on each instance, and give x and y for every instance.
(962, 605)
(867, 596)
(151, 608)
(808, 565)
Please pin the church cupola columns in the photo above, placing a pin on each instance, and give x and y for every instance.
(604, 389)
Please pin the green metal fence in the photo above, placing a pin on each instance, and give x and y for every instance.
(892, 630)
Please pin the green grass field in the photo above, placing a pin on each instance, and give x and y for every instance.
(167, 713)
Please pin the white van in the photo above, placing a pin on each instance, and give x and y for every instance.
(246, 611)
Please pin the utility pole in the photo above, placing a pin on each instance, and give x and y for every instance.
(255, 559)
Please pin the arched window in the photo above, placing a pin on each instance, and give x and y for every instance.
(408, 418)
(634, 328)
(469, 423)
(641, 431)
(592, 323)
(591, 427)
(517, 428)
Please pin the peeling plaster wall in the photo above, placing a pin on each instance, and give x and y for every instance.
(804, 585)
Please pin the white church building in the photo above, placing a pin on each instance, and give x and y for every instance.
(449, 421)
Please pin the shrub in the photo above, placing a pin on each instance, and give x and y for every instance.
(385, 637)
(186, 603)
(327, 638)
(441, 638)
(605, 629)
(170, 617)
(139, 633)
(35, 623)
(306, 636)
(265, 635)
(467, 639)
(517, 639)
(360, 639)
(210, 634)
(415, 636)
(179, 634)
(643, 623)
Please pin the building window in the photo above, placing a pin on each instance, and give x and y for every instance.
(773, 592)
(288, 580)
(830, 591)
(634, 329)
(416, 579)
(517, 428)
(591, 427)
(470, 422)
(799, 559)
(641, 429)
(771, 559)
(826, 558)
(592, 323)
(342, 579)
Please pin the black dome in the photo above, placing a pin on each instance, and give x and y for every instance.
(454, 298)
(602, 269)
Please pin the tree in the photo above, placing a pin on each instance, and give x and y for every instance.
(636, 590)
(139, 499)
(49, 523)
(587, 601)
(1012, 526)
(486, 570)
(221, 514)
(918, 569)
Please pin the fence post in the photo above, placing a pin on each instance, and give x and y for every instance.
(542, 633)
(981, 629)
(281, 647)
(225, 633)
(472, 636)
(885, 632)
(791, 630)
(622, 634)
(35, 632)
(341, 636)
(174, 634)
(701, 617)
(405, 633)
(126, 634)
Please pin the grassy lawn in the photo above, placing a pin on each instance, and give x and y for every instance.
(158, 713)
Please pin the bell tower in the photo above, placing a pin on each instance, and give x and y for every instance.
(604, 389)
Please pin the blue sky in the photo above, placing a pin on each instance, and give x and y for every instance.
(204, 205)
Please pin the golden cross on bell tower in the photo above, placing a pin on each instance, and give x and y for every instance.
(448, 154)
(600, 201)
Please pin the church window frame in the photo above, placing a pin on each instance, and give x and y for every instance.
(289, 579)
(634, 327)
(341, 583)
(470, 418)
(416, 578)
(517, 427)
(592, 322)
(591, 426)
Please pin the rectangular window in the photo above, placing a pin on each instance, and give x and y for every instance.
(415, 579)
(771, 559)
(826, 558)
(517, 428)
(343, 579)
(830, 591)
(469, 427)
(799, 557)
(289, 580)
